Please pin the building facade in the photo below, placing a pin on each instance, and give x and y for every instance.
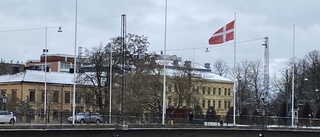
(30, 86)
(55, 63)
(207, 89)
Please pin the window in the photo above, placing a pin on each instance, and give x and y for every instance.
(88, 98)
(219, 91)
(55, 96)
(196, 89)
(66, 66)
(169, 101)
(203, 90)
(229, 91)
(3, 91)
(32, 95)
(219, 104)
(214, 104)
(214, 91)
(229, 104)
(209, 90)
(67, 97)
(225, 91)
(225, 104)
(42, 95)
(55, 114)
(14, 94)
(170, 89)
(209, 103)
(203, 103)
(78, 97)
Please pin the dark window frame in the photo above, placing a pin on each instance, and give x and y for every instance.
(67, 96)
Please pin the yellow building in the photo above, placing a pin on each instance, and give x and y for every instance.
(207, 88)
(218, 94)
(30, 86)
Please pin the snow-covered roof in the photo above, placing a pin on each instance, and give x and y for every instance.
(180, 64)
(207, 75)
(68, 78)
(198, 70)
(38, 77)
(213, 76)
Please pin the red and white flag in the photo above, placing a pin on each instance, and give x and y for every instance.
(224, 34)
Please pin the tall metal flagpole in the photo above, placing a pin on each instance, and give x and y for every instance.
(234, 65)
(164, 65)
(292, 96)
(74, 67)
(110, 86)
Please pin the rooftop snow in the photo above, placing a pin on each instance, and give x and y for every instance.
(38, 76)
(208, 75)
(205, 73)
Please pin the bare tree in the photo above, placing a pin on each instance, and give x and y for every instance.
(250, 84)
(24, 109)
(145, 86)
(306, 80)
(220, 67)
(123, 56)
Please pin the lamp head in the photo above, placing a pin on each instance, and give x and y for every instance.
(59, 30)
(4, 98)
(207, 49)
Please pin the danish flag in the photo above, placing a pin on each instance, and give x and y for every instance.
(224, 34)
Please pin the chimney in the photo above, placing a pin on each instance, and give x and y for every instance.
(175, 63)
(187, 63)
(207, 65)
(71, 70)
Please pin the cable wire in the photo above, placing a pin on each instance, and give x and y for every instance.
(180, 49)
(42, 28)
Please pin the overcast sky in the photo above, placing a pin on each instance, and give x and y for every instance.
(190, 24)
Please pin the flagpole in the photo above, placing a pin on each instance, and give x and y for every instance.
(292, 96)
(234, 65)
(74, 67)
(164, 65)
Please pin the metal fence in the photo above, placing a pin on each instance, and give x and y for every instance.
(154, 119)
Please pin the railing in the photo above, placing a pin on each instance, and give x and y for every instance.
(185, 120)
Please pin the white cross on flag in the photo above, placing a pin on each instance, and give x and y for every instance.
(224, 34)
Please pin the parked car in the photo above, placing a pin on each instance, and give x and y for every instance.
(86, 117)
(7, 117)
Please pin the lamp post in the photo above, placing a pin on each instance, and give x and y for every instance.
(239, 89)
(110, 86)
(4, 101)
(45, 52)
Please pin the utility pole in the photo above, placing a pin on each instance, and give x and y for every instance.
(266, 78)
(266, 68)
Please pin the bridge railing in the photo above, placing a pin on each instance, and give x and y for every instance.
(156, 119)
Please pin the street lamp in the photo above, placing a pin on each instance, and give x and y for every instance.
(45, 53)
(110, 86)
(4, 100)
